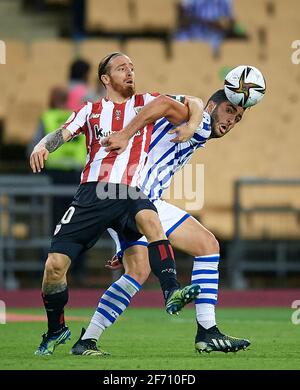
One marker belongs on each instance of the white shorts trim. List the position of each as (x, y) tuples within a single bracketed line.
[(170, 216)]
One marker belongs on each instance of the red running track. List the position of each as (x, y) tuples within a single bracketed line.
[(150, 298)]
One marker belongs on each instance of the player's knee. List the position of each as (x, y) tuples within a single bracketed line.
[(213, 244), (139, 270), (208, 245), (55, 267), (139, 275), (155, 230), (150, 225)]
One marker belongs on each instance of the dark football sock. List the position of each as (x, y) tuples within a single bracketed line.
[(54, 305), (162, 263)]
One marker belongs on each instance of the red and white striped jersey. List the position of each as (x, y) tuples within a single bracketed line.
[(98, 120)]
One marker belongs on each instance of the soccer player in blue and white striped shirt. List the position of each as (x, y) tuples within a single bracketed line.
[(184, 232)]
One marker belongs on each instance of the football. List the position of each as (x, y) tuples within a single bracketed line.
[(244, 86)]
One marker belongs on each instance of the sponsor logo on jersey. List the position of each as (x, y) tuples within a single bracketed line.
[(100, 132), (94, 116)]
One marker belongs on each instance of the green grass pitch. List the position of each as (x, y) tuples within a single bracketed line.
[(149, 339)]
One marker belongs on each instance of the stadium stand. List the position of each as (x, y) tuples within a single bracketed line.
[(21, 121), (188, 70), (52, 52), (109, 16), (128, 16), (58, 2), (16, 53), (150, 58), (93, 49), (155, 15)]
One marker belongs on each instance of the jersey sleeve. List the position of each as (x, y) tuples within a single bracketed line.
[(203, 132), (77, 122), (185, 150), (178, 98), (162, 123), (149, 97)]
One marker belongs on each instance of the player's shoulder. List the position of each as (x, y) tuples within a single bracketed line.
[(178, 98), (96, 105), (84, 107), (141, 99), (94, 108), (204, 130), (154, 94), (151, 94), (206, 119)]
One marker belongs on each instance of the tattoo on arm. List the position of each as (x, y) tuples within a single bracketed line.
[(54, 140), (53, 288)]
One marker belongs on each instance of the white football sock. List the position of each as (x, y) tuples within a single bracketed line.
[(111, 305), (206, 274)]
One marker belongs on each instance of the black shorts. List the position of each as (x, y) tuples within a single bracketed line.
[(89, 216)]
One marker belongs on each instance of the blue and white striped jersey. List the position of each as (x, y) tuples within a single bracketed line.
[(165, 158)]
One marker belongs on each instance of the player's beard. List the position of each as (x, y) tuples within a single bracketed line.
[(125, 91)]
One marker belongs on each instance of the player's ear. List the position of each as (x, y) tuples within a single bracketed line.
[(105, 79)]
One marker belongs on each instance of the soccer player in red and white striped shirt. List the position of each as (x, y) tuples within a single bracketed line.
[(107, 173)]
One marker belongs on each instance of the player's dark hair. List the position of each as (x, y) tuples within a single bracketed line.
[(79, 70), (104, 67), (218, 97)]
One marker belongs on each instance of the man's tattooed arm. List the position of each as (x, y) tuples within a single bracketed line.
[(54, 140), (47, 145)]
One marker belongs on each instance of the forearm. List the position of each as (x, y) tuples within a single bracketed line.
[(193, 121), (196, 107), (160, 107), (54, 140)]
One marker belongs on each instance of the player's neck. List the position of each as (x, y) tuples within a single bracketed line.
[(116, 97)]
